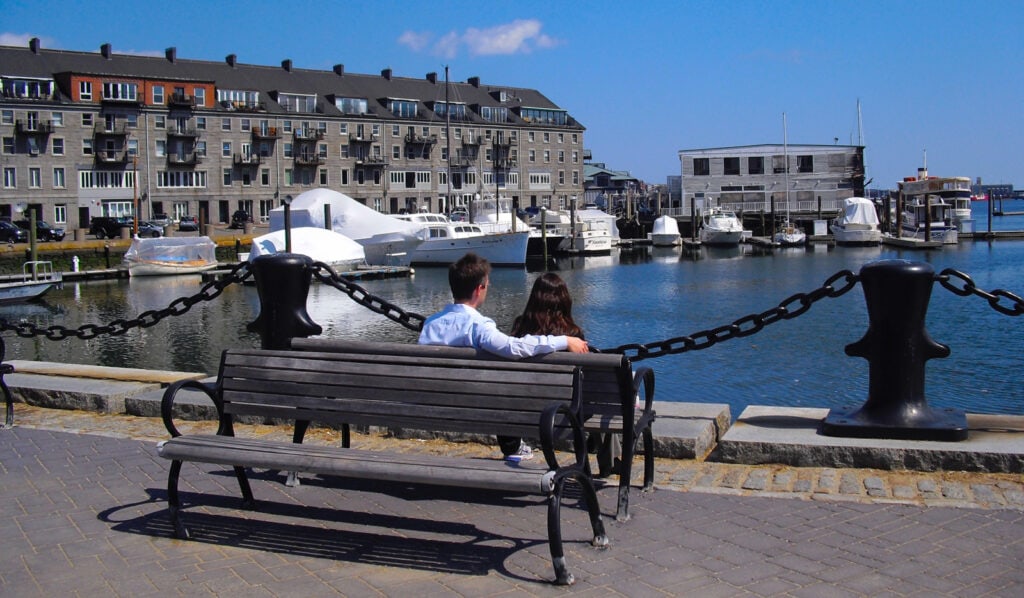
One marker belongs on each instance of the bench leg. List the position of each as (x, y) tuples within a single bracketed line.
[(600, 540), (9, 418), (300, 433), (174, 503), (248, 502), (648, 459)]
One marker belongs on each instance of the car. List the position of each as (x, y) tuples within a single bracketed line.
[(188, 223), (12, 234), (239, 219), (44, 232), (160, 219), (109, 226), (150, 229)]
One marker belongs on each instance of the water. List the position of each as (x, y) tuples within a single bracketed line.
[(644, 295)]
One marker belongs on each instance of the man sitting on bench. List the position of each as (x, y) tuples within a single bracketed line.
[(459, 324)]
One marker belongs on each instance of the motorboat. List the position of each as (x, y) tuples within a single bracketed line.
[(954, 192), (37, 278), (589, 237), (789, 235), (858, 224), (445, 242), (927, 217), (321, 245), (386, 240), (548, 232), (162, 256), (665, 232), (720, 227)]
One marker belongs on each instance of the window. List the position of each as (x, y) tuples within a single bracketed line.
[(227, 177), (292, 102), (396, 151), (343, 152), (201, 123), (561, 177), (87, 147), (58, 178), (158, 94), (561, 138), (85, 91), (530, 137), (200, 93), (575, 177), (731, 166), (201, 149), (246, 125), (159, 122), (10, 177), (132, 120), (532, 156), (575, 157), (322, 151), (7, 117), (161, 148), (288, 178), (265, 177), (58, 119), (344, 176), (185, 178), (8, 145), (755, 165), (225, 124), (87, 120), (35, 178), (351, 106), (403, 108), (805, 163), (547, 137), (323, 177), (287, 150), (561, 157), (321, 127), (547, 156), (120, 91), (225, 149), (396, 130), (287, 126), (60, 214), (133, 147), (343, 128), (701, 166)]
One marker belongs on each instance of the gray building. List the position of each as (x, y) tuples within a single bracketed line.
[(98, 133), (756, 177)]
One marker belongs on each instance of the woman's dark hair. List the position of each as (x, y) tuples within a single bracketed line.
[(548, 310)]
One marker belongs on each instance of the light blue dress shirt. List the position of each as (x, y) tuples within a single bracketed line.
[(459, 325)]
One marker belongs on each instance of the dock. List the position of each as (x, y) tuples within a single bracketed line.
[(910, 243)]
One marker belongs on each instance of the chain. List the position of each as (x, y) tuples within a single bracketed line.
[(946, 277), (328, 276), (210, 291), (790, 308)]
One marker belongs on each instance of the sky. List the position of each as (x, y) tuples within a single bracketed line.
[(937, 81)]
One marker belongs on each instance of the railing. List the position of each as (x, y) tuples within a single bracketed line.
[(111, 156), (372, 161), (247, 159), (269, 133), (356, 138), (308, 135), (39, 127), (112, 130), (189, 159), (308, 160), (182, 100), (829, 207), (174, 131)]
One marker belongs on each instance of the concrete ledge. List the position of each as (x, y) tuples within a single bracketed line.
[(789, 436), (688, 430), (61, 392), (76, 370)]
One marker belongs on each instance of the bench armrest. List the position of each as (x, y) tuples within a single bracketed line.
[(644, 376), (547, 434), (210, 390)]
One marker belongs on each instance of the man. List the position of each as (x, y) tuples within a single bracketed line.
[(459, 324)]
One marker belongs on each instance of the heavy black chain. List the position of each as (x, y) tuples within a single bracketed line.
[(210, 291), (947, 276), (328, 276), (790, 308)]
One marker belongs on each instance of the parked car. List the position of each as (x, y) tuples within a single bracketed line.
[(160, 219), (239, 219), (44, 232), (12, 234), (108, 226), (150, 229), (188, 223)]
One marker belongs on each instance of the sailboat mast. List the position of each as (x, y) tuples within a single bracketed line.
[(785, 158), (448, 139)]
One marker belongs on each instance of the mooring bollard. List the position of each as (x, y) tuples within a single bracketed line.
[(896, 346), (282, 281)]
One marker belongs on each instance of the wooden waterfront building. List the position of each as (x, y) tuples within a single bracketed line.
[(87, 134)]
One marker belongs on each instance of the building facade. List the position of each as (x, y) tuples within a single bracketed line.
[(760, 177), (95, 134)]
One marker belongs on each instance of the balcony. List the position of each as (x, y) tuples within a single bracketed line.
[(35, 127), (189, 159), (308, 135), (247, 159), (270, 133), (371, 161), (244, 106), (505, 163), (502, 143), (471, 140), (461, 162), (181, 100), (308, 160), (187, 132), (420, 139), (111, 130), (357, 138), (137, 102), (111, 157)]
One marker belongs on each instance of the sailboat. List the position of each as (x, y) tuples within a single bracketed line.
[(788, 235)]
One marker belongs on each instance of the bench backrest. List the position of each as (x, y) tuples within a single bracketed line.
[(376, 388), (607, 378)]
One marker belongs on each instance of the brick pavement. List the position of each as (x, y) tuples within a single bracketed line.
[(83, 515)]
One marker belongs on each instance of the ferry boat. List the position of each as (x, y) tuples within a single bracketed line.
[(954, 192)]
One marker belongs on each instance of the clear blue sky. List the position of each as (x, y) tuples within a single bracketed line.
[(646, 79)]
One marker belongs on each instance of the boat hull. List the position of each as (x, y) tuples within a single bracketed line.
[(720, 238), (666, 239), (20, 292), (536, 244), (503, 249), (167, 268), (856, 236)]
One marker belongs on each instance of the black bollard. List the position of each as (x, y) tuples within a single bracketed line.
[(896, 346), (282, 281)]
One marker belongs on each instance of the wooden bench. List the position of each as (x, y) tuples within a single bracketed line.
[(377, 389), (610, 395)]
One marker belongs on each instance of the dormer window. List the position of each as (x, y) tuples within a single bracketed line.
[(458, 110), (403, 108), (296, 102), (127, 92), (352, 105)]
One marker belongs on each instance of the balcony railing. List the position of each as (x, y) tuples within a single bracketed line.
[(505, 163), (268, 133), (181, 100), (471, 140), (502, 143), (461, 162), (122, 101), (308, 160), (111, 156), (247, 159), (357, 138), (173, 131), (372, 161), (420, 139), (189, 159), (114, 130), (308, 135), (38, 127)]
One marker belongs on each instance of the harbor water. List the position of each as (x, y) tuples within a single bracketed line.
[(640, 295)]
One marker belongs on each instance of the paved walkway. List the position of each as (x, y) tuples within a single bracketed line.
[(84, 515)]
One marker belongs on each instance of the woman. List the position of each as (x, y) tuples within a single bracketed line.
[(549, 311)]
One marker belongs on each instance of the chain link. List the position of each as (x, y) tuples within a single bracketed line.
[(210, 291), (328, 276), (946, 279)]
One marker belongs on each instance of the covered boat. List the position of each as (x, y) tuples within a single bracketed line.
[(321, 245), (386, 241), (858, 224), (170, 255), (665, 232)]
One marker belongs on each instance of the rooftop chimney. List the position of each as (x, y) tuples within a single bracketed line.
[(432, 77), (231, 60), (33, 44), (171, 54), (105, 51), (474, 81), (386, 73), (339, 70), (286, 64)]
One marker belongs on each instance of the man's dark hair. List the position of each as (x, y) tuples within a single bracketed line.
[(465, 275)]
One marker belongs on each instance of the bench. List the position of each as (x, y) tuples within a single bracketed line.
[(610, 391), (374, 389)]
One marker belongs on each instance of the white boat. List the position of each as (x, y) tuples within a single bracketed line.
[(665, 232), (37, 278), (858, 224), (162, 256), (720, 227), (386, 240), (955, 192), (787, 234), (548, 231), (445, 242), (321, 245), (589, 237), (927, 217)]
